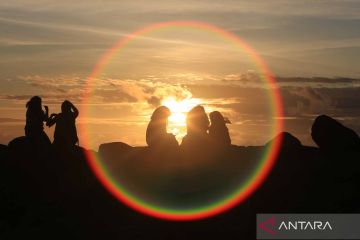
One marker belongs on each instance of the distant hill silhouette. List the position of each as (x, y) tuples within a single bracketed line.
[(54, 192)]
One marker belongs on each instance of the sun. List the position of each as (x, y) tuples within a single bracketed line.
[(179, 109)]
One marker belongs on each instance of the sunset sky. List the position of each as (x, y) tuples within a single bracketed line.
[(49, 48)]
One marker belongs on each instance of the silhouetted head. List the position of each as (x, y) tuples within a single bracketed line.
[(159, 119), (34, 103), (217, 118), (197, 120), (161, 113), (66, 107)]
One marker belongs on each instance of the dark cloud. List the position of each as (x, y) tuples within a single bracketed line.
[(254, 78), (115, 96), (154, 101), (227, 91), (316, 80), (301, 103), (332, 101)]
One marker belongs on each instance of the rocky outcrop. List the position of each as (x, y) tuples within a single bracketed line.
[(45, 189), (3, 152), (331, 136)]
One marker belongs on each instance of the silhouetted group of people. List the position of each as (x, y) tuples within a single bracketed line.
[(65, 134), (200, 131)]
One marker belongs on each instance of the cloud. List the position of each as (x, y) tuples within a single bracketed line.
[(331, 8), (99, 90), (300, 94), (123, 101), (320, 81), (15, 97), (302, 104), (317, 80), (138, 91), (11, 120), (154, 101), (253, 78)]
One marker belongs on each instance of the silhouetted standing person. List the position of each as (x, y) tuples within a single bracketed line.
[(218, 132), (65, 134), (35, 118), (156, 132), (197, 123)]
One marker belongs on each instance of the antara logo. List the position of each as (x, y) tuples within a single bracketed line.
[(305, 225)]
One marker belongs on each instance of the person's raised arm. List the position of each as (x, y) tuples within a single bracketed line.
[(75, 110), (51, 120), (46, 114)]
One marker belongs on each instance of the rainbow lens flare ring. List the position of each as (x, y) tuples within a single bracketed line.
[(246, 189)]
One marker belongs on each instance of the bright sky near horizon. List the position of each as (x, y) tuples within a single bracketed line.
[(48, 48)]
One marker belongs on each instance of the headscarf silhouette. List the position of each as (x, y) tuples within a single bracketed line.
[(197, 123), (65, 134), (35, 118), (218, 132), (156, 132)]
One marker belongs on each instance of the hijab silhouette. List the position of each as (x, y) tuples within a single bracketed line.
[(218, 132), (35, 118), (197, 123), (156, 132), (65, 134)]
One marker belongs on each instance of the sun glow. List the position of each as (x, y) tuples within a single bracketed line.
[(179, 109), (167, 207)]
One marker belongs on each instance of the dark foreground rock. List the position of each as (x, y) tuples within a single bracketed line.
[(331, 136), (55, 194), (3, 152)]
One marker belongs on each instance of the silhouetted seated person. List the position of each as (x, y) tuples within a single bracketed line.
[(35, 118), (65, 134), (156, 132), (197, 123), (218, 132)]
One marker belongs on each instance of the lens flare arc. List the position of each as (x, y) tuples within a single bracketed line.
[(251, 184)]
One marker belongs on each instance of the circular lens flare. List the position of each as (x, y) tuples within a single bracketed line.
[(179, 109)]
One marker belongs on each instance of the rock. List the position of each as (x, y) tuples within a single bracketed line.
[(18, 142), (58, 192), (3, 151), (20, 147), (332, 136), (288, 141), (114, 148)]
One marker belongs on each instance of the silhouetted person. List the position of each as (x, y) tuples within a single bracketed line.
[(197, 123), (218, 132), (156, 132), (65, 134), (35, 118)]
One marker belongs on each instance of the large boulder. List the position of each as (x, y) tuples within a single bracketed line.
[(285, 183), (332, 136), (3, 151), (340, 148)]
